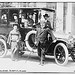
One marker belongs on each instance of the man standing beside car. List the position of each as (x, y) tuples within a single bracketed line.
[(42, 33)]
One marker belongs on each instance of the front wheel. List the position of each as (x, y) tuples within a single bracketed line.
[(61, 54)]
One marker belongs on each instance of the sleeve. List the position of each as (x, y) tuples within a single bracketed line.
[(32, 21), (50, 26), (48, 30)]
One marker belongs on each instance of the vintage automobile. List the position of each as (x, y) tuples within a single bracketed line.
[(7, 20), (61, 49)]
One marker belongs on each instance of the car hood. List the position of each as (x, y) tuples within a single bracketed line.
[(61, 35)]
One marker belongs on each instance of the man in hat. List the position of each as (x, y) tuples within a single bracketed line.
[(30, 20), (13, 38), (42, 33), (47, 23), (43, 28)]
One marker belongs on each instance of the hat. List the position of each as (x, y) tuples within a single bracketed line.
[(46, 15), (14, 14), (15, 25)]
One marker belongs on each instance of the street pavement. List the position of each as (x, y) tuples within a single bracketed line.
[(29, 62)]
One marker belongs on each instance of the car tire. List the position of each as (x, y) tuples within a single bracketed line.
[(3, 44), (73, 58), (27, 41), (61, 54)]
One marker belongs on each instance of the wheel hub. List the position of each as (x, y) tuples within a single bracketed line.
[(60, 54)]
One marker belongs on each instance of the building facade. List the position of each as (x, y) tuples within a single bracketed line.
[(64, 13)]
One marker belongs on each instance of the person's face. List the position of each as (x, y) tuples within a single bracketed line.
[(30, 16), (15, 27), (45, 18), (15, 17)]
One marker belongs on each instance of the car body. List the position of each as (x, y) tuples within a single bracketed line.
[(61, 49)]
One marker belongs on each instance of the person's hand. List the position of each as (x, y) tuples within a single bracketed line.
[(17, 41), (35, 42)]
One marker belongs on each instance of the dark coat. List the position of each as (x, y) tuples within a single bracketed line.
[(42, 33)]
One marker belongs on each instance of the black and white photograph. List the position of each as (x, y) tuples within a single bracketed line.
[(37, 37)]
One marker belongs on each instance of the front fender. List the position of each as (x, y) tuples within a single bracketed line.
[(62, 40)]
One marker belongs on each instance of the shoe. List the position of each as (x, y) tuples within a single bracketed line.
[(42, 63), (15, 60)]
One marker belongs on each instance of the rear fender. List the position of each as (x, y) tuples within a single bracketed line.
[(3, 37)]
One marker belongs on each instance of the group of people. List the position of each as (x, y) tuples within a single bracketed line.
[(43, 29), (24, 22)]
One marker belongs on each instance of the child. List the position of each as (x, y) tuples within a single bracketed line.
[(13, 38)]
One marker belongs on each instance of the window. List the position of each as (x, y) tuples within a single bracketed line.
[(28, 17)]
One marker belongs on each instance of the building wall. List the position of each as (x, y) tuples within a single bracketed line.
[(70, 18), (59, 17), (73, 19)]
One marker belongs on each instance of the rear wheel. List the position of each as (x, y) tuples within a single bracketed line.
[(73, 55), (73, 58), (61, 54), (30, 41), (3, 48)]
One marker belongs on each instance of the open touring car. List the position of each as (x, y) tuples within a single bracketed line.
[(61, 49)]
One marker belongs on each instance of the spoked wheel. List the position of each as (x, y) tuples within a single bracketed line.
[(73, 55), (3, 48), (61, 54), (30, 41)]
